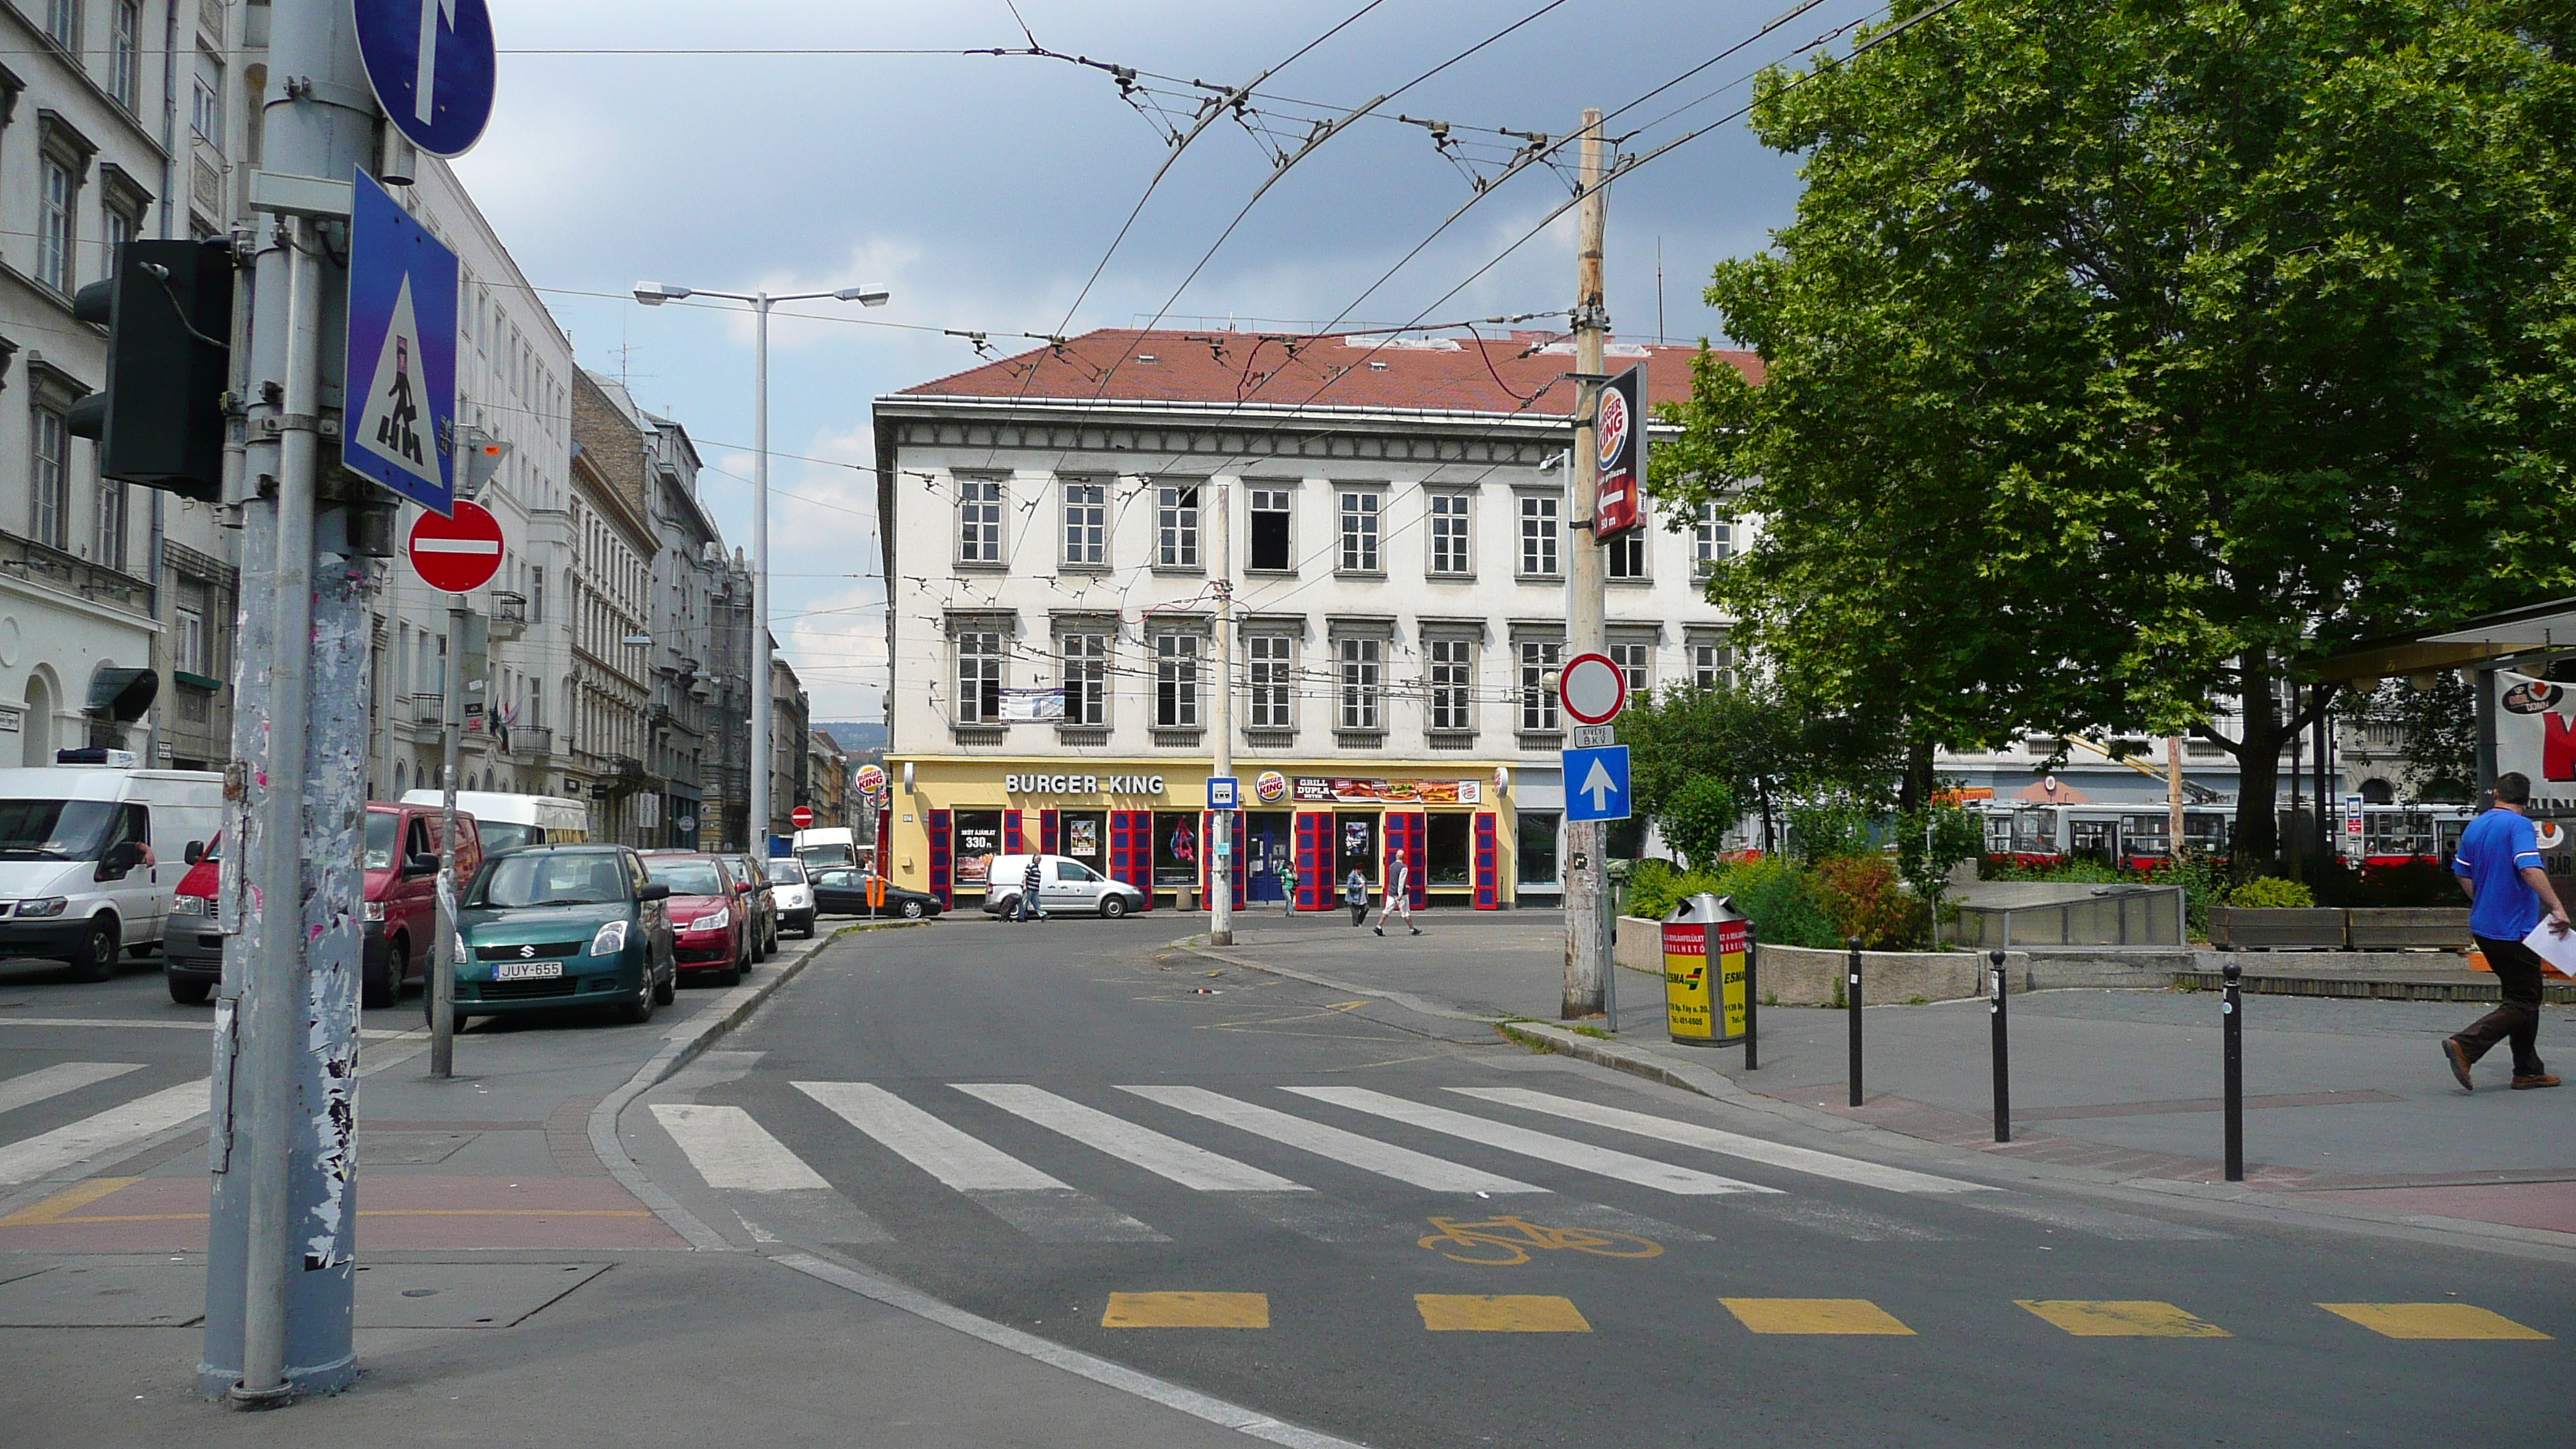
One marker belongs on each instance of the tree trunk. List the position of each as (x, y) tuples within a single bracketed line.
[(2258, 772), (1770, 836), (1914, 792)]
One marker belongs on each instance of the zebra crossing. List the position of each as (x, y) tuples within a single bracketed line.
[(97, 1137)]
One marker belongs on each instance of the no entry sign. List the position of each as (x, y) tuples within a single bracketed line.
[(460, 554), (803, 815)]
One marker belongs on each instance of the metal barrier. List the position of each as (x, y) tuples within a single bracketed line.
[(2111, 915)]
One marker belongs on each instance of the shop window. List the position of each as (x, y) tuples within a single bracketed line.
[(1176, 848), (1082, 833), (1536, 847), (1354, 848), (1450, 851), (979, 839)]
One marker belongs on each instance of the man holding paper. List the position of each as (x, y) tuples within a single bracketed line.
[(2499, 867)]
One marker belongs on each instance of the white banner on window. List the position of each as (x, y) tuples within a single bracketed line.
[(1032, 706)]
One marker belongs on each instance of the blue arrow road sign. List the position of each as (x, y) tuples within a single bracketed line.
[(431, 64), (1596, 783), (400, 402)]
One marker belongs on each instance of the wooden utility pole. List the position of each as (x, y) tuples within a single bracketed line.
[(1587, 937), (2173, 797)]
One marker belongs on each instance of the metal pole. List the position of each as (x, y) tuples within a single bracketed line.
[(762, 751), (1220, 847), (1852, 994), (442, 959), (2232, 1032), (2003, 1066), (1752, 996), (1584, 602), (2173, 799)]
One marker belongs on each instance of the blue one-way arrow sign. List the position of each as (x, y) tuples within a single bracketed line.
[(431, 63), (1596, 783)]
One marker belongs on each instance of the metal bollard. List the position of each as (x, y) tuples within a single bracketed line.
[(1752, 995), (2003, 1068), (1852, 992), (2231, 1032)]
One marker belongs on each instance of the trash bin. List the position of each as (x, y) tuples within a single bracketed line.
[(1705, 1006)]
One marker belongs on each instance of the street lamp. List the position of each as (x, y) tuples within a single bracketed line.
[(654, 294)]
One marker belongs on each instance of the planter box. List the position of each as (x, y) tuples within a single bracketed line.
[(2435, 928), (2238, 928)]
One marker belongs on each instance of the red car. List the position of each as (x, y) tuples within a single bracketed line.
[(711, 921)]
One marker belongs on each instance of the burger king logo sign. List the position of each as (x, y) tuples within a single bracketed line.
[(1270, 788)]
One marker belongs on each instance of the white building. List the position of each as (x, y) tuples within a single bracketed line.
[(608, 602), (1398, 524)]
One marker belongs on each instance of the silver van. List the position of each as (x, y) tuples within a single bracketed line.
[(1066, 887)]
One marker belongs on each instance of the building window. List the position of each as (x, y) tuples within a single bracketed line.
[(56, 189), (1359, 532), (1637, 661), (1453, 684), (1540, 530), (188, 643), (108, 512), (1362, 665), (1539, 659), (1712, 663), (62, 22), (125, 24), (51, 470), (979, 677), (1086, 525), (206, 112), (1625, 556), (120, 230), (1176, 681), (1712, 538), (1449, 554), (1272, 680), (537, 594), (1272, 509), (1176, 523), (1086, 679), (979, 520)]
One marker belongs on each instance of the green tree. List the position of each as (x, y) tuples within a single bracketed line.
[(1697, 818), (1750, 737), (2120, 354), (2436, 728)]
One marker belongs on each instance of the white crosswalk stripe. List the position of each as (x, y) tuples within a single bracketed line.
[(1010, 1189), (730, 1150), (102, 1134), (1732, 1144), (1385, 1159), (1565, 1152), (1191, 1167), (61, 1077)]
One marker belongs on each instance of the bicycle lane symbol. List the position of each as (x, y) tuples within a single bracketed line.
[(1504, 1241)]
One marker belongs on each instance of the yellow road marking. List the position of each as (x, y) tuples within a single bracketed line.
[(1187, 1310), (1814, 1315), (2135, 1318), (78, 1195), (2431, 1320), (1506, 1240), (1499, 1313), (1348, 1005)]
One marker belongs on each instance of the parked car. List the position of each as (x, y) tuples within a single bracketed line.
[(91, 854), (1066, 887), (843, 891), (402, 893), (712, 925), (551, 926), (754, 871), (793, 894)]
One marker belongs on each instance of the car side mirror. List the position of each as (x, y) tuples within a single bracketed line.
[(195, 852), (742, 888), (423, 864), (657, 891)]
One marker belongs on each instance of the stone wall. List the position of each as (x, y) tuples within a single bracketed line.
[(1799, 976)]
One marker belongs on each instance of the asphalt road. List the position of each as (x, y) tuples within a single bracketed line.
[(1666, 1296)]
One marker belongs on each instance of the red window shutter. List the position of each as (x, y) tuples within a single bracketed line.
[(940, 846), (1315, 884), (1049, 824), (1011, 832), (1489, 872)]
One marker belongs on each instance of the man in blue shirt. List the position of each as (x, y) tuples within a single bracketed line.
[(2499, 866)]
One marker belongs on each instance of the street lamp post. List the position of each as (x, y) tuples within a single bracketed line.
[(654, 294)]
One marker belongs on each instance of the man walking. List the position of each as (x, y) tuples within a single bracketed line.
[(2499, 867), (1032, 907), (1399, 895), (1355, 895)]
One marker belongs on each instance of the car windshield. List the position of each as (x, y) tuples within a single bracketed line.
[(549, 878), (381, 830), (786, 872), (500, 835), (53, 829), (687, 877)]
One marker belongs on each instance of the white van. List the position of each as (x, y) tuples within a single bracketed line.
[(825, 846), (90, 855), (510, 821)]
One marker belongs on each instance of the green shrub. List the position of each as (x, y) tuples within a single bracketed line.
[(1655, 885), (1697, 818), (1862, 897), (1828, 827), (2271, 893), (1780, 897)]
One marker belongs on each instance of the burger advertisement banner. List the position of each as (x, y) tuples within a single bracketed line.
[(1344, 790), (1619, 442), (2536, 735)]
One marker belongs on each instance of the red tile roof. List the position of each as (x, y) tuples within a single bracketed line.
[(1524, 372)]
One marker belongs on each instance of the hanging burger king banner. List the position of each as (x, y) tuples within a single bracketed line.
[(1270, 788), (1619, 442), (1344, 790)]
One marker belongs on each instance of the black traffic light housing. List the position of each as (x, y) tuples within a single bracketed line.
[(159, 421)]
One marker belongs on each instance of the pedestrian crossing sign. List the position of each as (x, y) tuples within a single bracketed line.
[(400, 410)]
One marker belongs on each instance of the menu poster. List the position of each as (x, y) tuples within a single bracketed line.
[(1347, 790), (1082, 838)]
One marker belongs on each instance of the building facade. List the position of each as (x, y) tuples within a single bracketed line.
[(791, 747), (1398, 536), (609, 600), (827, 780)]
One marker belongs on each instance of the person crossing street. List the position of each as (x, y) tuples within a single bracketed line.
[(2499, 867)]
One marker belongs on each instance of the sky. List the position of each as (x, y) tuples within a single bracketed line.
[(986, 190)]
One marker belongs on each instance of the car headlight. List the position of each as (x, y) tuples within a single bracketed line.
[(715, 922), (43, 906), (193, 906), (375, 910), (610, 940), (456, 951)]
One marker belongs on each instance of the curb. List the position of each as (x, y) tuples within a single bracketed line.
[(682, 1046)]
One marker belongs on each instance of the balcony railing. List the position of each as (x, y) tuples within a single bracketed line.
[(532, 741), (509, 615)]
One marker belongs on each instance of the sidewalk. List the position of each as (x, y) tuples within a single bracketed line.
[(2349, 1107)]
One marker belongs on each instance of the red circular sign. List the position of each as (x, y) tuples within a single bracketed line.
[(457, 555), (803, 815), (1593, 688)]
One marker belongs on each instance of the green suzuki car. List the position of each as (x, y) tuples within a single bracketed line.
[(552, 926)]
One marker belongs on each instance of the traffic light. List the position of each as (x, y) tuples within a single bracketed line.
[(159, 421)]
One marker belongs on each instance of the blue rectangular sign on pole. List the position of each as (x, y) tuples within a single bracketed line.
[(1596, 783), (398, 423), (1225, 792)]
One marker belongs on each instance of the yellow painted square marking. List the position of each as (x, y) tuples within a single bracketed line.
[(2431, 1320), (79, 1195), (1814, 1315), (1187, 1310), (2087, 1318), (1499, 1313)]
